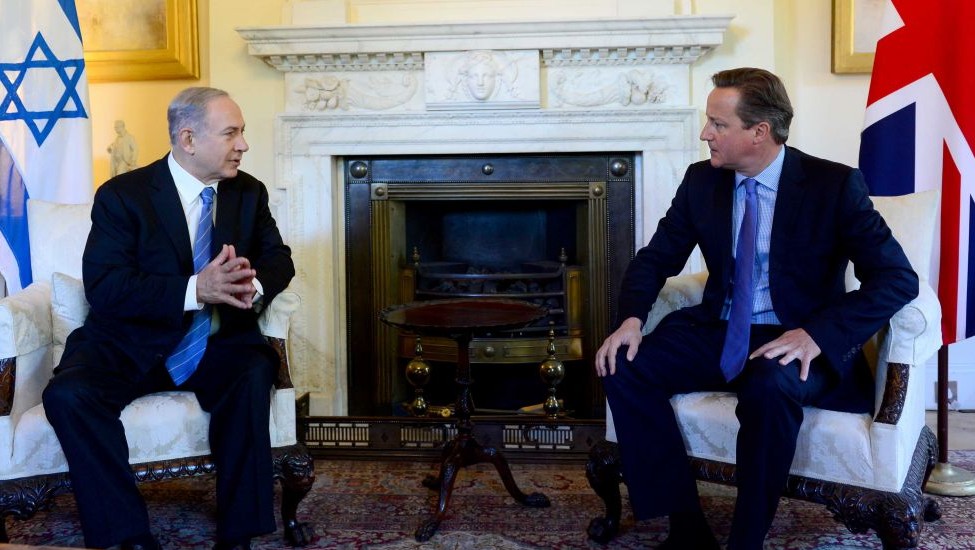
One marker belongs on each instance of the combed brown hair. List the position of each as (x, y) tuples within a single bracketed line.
[(763, 98)]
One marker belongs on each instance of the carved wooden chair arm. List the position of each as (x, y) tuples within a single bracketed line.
[(915, 331), (25, 328), (911, 338), (25, 320), (274, 322)]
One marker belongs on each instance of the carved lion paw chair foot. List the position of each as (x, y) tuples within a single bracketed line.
[(34, 324), (868, 471)]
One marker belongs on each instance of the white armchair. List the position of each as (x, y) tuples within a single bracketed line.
[(34, 324), (868, 471)]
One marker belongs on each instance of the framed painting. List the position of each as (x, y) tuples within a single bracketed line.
[(128, 40), (856, 27)]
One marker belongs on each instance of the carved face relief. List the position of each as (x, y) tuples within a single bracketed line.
[(480, 73), (481, 80)]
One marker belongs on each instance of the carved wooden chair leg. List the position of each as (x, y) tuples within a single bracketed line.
[(20, 499), (295, 468), (899, 519), (932, 508), (603, 473), (901, 522)]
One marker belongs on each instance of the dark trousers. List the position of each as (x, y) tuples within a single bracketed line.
[(83, 402), (681, 356)]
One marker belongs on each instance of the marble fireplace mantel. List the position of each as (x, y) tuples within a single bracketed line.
[(524, 87)]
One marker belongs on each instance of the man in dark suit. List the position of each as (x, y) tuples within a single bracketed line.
[(801, 332), (146, 296)]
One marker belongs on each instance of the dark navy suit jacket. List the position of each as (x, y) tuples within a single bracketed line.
[(823, 220), (138, 260)]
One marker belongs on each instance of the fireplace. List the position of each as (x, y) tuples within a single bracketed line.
[(595, 88), (556, 229)]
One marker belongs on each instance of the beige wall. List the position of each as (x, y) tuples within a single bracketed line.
[(142, 105), (789, 37)]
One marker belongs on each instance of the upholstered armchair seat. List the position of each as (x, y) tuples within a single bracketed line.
[(868, 470), (167, 432)]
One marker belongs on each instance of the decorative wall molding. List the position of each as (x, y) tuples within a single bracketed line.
[(678, 39)]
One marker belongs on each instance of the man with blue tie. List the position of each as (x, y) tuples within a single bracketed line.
[(777, 229), (181, 256)]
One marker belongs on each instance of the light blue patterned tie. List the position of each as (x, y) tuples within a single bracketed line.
[(743, 289), (186, 357)]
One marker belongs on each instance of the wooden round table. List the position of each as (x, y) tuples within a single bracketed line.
[(461, 319)]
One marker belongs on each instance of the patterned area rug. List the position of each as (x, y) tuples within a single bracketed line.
[(379, 505)]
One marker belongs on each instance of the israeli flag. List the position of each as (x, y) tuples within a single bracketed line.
[(45, 127)]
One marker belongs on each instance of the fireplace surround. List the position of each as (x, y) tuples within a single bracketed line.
[(555, 229), (602, 86)]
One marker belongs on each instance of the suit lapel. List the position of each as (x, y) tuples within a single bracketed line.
[(168, 208), (788, 199), (228, 203), (724, 196)]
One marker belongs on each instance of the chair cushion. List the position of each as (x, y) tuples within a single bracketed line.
[(832, 446), (63, 225), (68, 309), (911, 219), (160, 426)]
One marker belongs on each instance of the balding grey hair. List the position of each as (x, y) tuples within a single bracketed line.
[(189, 108)]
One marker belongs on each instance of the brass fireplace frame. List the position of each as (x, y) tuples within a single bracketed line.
[(599, 201)]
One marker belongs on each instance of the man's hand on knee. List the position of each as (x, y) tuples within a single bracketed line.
[(630, 335), (793, 344)]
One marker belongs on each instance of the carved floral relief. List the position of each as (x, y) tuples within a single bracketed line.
[(628, 88), (371, 92)]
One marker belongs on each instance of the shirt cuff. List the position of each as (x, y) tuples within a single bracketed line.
[(189, 300)]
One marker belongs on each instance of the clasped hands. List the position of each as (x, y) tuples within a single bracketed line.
[(795, 344), (227, 279)]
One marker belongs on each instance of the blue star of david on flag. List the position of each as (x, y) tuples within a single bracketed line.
[(41, 120)]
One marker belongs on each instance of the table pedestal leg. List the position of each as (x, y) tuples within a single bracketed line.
[(464, 450)]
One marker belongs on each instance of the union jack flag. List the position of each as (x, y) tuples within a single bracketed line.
[(919, 130)]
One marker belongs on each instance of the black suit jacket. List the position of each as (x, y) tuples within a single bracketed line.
[(138, 261), (823, 220)]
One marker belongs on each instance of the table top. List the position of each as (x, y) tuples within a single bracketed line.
[(462, 315)]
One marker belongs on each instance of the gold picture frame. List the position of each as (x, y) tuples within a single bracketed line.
[(847, 56), (129, 40)]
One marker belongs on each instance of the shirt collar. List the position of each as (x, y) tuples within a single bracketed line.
[(769, 177), (187, 185)]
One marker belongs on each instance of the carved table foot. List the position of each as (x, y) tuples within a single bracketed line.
[(427, 529), (298, 533), (603, 530), (536, 500)]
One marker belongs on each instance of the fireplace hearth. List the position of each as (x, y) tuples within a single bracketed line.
[(555, 229)]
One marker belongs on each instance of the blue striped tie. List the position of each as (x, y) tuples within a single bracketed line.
[(742, 290), (186, 357)]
